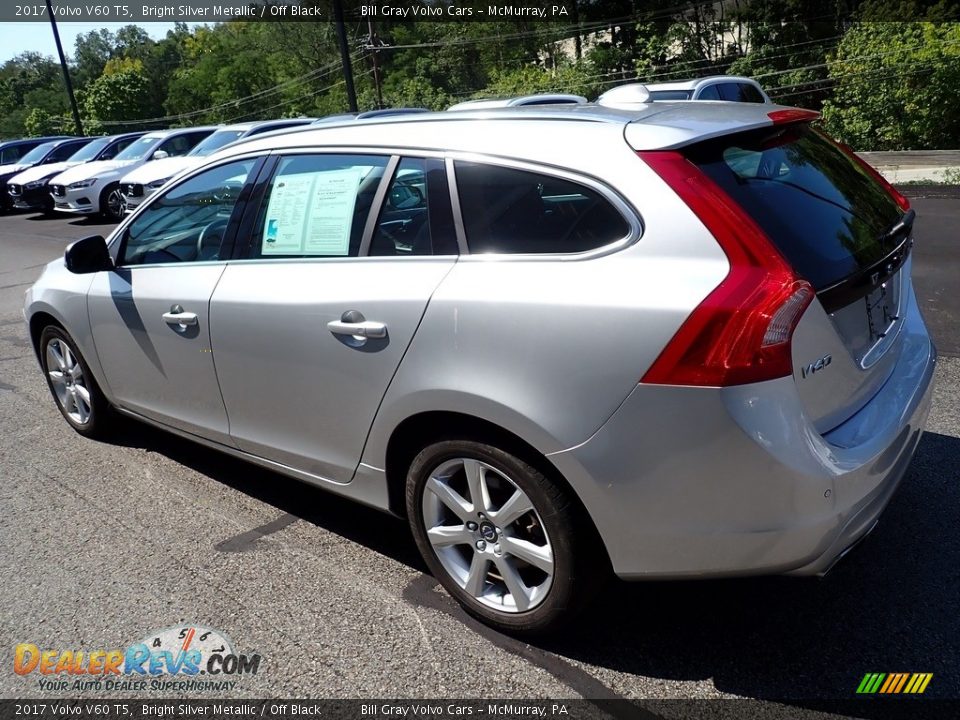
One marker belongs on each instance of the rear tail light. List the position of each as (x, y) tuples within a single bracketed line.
[(903, 202), (741, 332)]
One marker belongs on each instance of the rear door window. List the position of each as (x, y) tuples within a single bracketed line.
[(710, 92), (827, 216), (507, 210)]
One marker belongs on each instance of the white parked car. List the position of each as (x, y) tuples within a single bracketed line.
[(716, 87), (525, 100), (28, 190), (94, 188), (146, 179)]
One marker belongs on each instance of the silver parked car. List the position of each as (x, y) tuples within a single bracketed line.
[(668, 342)]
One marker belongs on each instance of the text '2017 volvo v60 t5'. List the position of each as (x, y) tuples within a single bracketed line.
[(672, 340)]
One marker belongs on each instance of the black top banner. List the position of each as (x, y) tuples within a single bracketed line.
[(534, 11)]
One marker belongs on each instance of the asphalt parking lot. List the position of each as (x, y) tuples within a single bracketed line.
[(102, 543)]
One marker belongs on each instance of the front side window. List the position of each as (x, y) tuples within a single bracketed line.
[(37, 154), (317, 206), (64, 151), (506, 210), (90, 151), (190, 222)]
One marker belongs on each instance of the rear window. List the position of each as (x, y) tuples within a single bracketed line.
[(826, 215)]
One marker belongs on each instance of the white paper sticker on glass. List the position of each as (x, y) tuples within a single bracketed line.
[(311, 213)]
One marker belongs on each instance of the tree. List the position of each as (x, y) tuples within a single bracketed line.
[(896, 86), (123, 94)]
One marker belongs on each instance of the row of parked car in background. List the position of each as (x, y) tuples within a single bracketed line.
[(112, 175)]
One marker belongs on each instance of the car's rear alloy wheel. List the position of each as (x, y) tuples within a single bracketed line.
[(73, 387), (500, 537)]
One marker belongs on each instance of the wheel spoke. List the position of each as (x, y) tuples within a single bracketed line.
[(446, 535), (83, 396), (539, 556), (479, 494), (83, 410), (68, 359), (450, 497), (53, 349), (517, 505), (477, 576), (56, 377), (514, 583)]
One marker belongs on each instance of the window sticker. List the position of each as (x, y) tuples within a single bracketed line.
[(311, 213)]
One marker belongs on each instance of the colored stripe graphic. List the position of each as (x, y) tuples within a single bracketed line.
[(894, 683)]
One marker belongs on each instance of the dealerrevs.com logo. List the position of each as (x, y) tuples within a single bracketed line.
[(197, 658)]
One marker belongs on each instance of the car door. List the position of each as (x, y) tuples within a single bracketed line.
[(150, 317), (309, 329)]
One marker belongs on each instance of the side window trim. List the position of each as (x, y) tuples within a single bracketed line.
[(229, 238), (377, 205), (455, 204), (629, 213), (251, 209)]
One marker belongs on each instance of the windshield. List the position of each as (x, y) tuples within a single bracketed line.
[(89, 151), (139, 149), (216, 141), (37, 154)]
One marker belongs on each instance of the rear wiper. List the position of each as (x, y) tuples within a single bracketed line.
[(903, 224)]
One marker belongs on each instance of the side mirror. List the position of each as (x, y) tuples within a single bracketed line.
[(160, 155), (88, 255)]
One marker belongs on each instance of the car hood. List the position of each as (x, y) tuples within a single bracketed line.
[(38, 172), (160, 169), (110, 169), (13, 168)]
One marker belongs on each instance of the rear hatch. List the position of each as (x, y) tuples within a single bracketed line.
[(843, 229)]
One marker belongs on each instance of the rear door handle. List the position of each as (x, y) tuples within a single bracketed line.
[(366, 329)]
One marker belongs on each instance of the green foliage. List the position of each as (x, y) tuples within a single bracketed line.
[(896, 86), (121, 95)]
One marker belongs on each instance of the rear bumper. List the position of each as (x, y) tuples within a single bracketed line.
[(695, 482)]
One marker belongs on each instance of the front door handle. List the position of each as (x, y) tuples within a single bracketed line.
[(177, 316), (365, 329)]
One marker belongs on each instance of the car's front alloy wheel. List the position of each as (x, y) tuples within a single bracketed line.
[(72, 385), (502, 539)]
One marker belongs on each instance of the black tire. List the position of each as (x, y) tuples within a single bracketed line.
[(105, 211), (99, 424), (579, 565)]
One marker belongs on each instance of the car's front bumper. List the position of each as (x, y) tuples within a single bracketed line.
[(82, 201), (32, 198), (695, 482)]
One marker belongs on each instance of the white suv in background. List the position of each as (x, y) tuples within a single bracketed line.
[(94, 188), (716, 87), (146, 179)]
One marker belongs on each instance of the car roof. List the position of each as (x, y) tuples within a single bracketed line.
[(507, 131), (522, 100), (254, 124), (697, 82), (160, 134), (37, 140)]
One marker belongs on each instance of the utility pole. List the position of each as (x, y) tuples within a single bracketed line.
[(66, 72), (344, 55), (374, 44)]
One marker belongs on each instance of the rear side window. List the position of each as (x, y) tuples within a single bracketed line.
[(506, 210), (826, 215), (740, 92), (670, 94)]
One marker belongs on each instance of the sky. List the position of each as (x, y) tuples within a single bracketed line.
[(22, 36)]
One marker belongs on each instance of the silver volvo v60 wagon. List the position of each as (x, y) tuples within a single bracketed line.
[(674, 341)]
